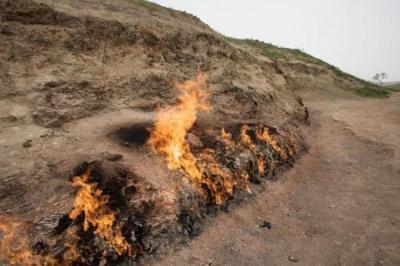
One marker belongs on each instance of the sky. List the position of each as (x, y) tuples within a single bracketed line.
[(361, 37)]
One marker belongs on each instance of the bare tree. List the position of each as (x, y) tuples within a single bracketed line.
[(379, 77), (383, 76)]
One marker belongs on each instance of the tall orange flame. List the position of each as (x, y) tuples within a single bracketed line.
[(173, 123), (168, 138)]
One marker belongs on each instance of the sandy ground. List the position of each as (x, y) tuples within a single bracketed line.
[(339, 205)]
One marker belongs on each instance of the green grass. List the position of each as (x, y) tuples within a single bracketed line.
[(373, 92), (393, 88), (274, 52), (152, 7)]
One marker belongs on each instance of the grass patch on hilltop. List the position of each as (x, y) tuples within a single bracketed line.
[(152, 7), (373, 92), (274, 52), (393, 88)]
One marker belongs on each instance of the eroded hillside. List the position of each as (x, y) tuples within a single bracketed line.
[(92, 170)]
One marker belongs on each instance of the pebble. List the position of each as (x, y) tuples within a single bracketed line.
[(27, 143), (113, 156), (266, 224), (293, 259)]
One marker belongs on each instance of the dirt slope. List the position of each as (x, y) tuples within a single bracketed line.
[(337, 206)]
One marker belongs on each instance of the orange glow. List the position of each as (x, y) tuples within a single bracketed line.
[(90, 201), (14, 247), (244, 137), (168, 138), (265, 136), (172, 124), (261, 164), (71, 255), (219, 181), (227, 138)]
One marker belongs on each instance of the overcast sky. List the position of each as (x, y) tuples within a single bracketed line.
[(361, 37)]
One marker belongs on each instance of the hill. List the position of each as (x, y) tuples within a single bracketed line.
[(124, 125)]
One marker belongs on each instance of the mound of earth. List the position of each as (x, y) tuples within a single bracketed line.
[(81, 84)]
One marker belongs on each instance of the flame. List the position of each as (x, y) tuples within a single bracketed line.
[(265, 136), (173, 123), (14, 247), (90, 201), (168, 138), (261, 164), (227, 139), (71, 255), (245, 138), (218, 180)]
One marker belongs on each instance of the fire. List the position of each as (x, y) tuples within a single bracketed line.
[(219, 181), (14, 246), (244, 137), (173, 123), (71, 255), (90, 201), (261, 164), (265, 136), (168, 138)]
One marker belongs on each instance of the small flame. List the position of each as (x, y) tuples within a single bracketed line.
[(245, 138), (14, 247), (261, 164), (221, 183), (265, 136), (71, 255), (227, 138), (90, 201)]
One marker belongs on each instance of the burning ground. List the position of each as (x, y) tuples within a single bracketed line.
[(124, 126), (112, 220)]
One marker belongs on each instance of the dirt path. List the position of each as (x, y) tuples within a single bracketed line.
[(339, 205)]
